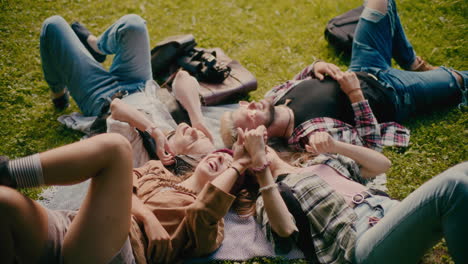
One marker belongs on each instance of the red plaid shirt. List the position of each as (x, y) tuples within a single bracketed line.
[(367, 132)]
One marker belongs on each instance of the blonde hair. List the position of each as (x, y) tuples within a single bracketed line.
[(228, 130)]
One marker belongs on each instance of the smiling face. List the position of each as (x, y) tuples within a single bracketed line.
[(213, 165), (250, 115), (188, 140)]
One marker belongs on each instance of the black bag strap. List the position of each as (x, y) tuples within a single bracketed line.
[(149, 144), (304, 242)]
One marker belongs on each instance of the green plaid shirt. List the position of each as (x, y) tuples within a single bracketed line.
[(331, 219)]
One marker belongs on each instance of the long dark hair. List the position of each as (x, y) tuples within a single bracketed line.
[(244, 204)]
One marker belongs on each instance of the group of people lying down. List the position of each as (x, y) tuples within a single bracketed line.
[(170, 209)]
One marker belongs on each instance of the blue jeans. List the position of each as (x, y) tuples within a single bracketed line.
[(68, 64), (379, 38), (439, 208)]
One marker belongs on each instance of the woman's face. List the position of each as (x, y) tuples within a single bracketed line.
[(188, 140), (213, 165)]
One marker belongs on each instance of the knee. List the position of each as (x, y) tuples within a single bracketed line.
[(456, 180), (116, 149), (133, 23), (8, 200), (379, 5), (52, 24), (115, 145)]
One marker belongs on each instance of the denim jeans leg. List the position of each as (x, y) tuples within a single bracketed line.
[(372, 39), (67, 64), (128, 39), (422, 92), (378, 38), (402, 50), (437, 209)]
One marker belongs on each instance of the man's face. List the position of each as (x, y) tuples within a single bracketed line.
[(250, 115), (188, 140)]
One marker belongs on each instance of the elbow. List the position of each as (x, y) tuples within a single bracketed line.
[(387, 164), (115, 107), (286, 231), (383, 167), (115, 104)]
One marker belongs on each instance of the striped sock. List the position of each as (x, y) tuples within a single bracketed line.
[(27, 171)]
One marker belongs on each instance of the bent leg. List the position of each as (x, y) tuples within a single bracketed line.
[(437, 209), (67, 64), (128, 39), (23, 228), (380, 36), (101, 226), (402, 50)]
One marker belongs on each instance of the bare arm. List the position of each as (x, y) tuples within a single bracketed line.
[(277, 211), (372, 162), (186, 92)]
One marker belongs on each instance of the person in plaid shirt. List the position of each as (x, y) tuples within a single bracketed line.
[(339, 220), (313, 101), (298, 123)]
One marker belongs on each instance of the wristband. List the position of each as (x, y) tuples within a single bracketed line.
[(262, 168), (268, 187)]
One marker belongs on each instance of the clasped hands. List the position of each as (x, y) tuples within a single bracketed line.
[(250, 149)]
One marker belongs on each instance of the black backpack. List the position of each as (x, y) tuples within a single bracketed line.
[(340, 30)]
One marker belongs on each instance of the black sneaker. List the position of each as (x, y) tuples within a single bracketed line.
[(62, 102), (83, 33), (5, 178)]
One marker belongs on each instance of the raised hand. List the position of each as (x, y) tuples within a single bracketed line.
[(320, 142), (163, 150), (159, 241), (348, 82), (322, 68), (254, 143), (240, 153)]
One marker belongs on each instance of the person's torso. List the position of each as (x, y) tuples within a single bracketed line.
[(342, 185), (314, 98)]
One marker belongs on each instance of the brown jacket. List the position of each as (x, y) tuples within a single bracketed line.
[(194, 222)]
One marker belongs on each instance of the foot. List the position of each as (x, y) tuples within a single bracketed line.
[(62, 102), (83, 33), (421, 65), (5, 178)]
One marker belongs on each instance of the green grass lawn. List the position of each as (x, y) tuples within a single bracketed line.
[(273, 39)]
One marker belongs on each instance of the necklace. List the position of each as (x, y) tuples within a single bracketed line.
[(289, 121)]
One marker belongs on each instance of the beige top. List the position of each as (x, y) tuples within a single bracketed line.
[(194, 222)]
